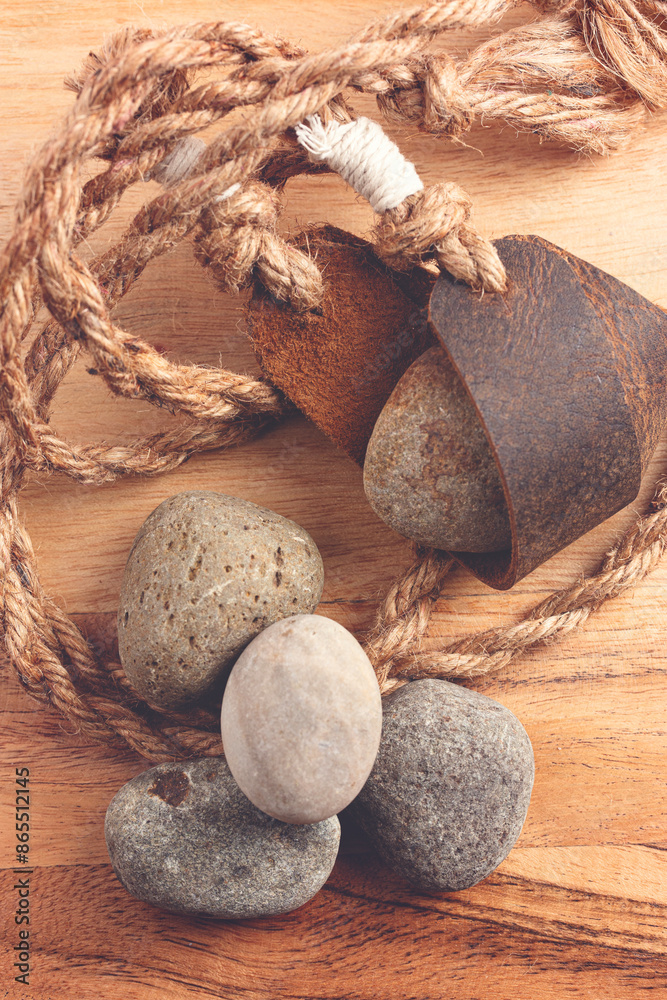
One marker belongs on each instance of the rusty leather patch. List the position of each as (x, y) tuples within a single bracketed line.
[(340, 366), (567, 373)]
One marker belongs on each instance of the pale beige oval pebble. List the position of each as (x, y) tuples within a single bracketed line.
[(301, 719)]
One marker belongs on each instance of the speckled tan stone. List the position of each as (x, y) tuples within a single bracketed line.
[(301, 719), (207, 572), (429, 471)]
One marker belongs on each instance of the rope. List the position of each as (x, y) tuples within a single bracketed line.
[(582, 72)]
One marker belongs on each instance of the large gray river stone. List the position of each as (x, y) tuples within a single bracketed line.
[(184, 837), (450, 788)]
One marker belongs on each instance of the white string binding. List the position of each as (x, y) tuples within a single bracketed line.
[(364, 156), (181, 161)]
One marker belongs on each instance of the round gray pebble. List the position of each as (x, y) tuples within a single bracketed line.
[(184, 837), (449, 792), (301, 719), (207, 572), (429, 471)]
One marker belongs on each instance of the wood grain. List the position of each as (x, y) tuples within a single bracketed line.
[(579, 908)]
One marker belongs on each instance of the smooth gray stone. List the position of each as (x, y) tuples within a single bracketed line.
[(429, 471), (449, 792), (184, 837), (301, 719), (207, 572)]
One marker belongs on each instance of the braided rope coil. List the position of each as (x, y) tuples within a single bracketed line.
[(582, 72)]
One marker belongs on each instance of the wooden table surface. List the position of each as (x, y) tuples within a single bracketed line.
[(579, 908)]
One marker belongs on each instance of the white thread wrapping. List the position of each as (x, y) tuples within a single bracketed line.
[(364, 156), (180, 162), (227, 193)]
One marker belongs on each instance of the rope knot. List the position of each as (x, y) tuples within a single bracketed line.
[(253, 205), (446, 109), (238, 242), (433, 225), (432, 95), (411, 233)]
